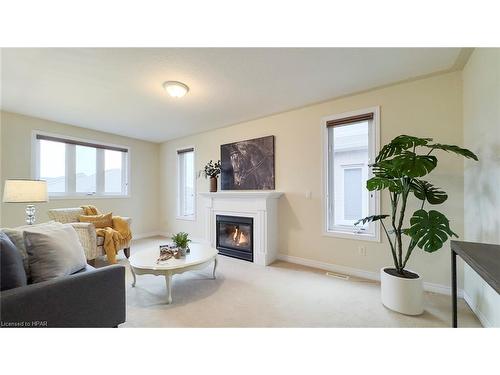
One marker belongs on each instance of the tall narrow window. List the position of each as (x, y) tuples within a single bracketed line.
[(186, 188), (75, 168), (350, 148)]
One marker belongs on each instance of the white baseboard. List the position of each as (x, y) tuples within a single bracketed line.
[(364, 274), (442, 289), (148, 234), (482, 319), (331, 267)]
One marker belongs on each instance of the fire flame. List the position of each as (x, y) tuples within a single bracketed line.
[(239, 238)]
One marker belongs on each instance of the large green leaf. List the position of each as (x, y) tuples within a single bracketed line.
[(386, 169), (400, 144), (369, 219), (413, 165), (429, 229), (380, 183), (424, 190), (455, 149)]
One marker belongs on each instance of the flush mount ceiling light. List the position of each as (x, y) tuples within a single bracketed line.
[(175, 89)]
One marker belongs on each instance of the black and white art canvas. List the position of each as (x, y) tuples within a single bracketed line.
[(248, 165)]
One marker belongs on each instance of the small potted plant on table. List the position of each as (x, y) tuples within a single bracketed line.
[(181, 241), (399, 169), (212, 171)]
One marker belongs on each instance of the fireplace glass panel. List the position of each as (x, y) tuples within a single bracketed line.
[(235, 236)]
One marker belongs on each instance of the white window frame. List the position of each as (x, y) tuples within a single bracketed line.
[(70, 192), (350, 232), (180, 216)]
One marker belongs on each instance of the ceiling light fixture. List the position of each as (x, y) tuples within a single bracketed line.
[(175, 89)]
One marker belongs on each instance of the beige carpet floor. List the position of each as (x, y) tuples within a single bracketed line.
[(280, 295)]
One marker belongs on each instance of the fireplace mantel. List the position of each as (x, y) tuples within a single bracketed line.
[(244, 194), (262, 206)]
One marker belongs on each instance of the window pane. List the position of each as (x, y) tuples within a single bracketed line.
[(53, 165), (348, 169), (189, 184), (113, 170), (186, 184), (85, 169), (352, 194)]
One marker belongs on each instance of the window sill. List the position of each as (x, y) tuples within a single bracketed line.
[(187, 218), (352, 236), (77, 197)]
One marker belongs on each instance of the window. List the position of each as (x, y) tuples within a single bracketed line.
[(186, 189), (76, 168), (350, 146)]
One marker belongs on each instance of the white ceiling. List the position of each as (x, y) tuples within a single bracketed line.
[(120, 90)]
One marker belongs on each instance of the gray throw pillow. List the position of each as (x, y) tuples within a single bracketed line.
[(12, 273), (17, 238), (53, 251)]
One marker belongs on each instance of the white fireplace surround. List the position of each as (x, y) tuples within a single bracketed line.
[(262, 206)]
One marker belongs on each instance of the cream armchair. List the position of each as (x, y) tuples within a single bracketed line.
[(92, 244)]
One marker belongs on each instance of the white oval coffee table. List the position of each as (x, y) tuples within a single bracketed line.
[(199, 257)]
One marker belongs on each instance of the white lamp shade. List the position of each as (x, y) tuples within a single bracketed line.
[(25, 191)]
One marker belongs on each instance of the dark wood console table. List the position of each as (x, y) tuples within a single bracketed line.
[(482, 258)]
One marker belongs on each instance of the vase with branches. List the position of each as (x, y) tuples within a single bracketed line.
[(399, 169), (212, 170)]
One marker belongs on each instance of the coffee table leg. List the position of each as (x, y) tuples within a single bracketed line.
[(133, 274), (215, 267), (168, 280)]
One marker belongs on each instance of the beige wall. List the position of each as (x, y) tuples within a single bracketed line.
[(1, 188), (481, 106), (16, 162), (427, 107)]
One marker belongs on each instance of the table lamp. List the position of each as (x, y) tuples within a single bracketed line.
[(26, 191)]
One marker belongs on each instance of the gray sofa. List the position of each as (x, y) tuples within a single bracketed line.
[(89, 298)]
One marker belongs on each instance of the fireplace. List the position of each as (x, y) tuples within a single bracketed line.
[(259, 209), (234, 236)]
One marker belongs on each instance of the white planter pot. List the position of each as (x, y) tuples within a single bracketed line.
[(405, 296)]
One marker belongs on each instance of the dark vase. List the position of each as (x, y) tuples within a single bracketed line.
[(213, 184)]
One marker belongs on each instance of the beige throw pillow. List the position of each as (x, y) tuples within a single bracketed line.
[(53, 252), (99, 221)]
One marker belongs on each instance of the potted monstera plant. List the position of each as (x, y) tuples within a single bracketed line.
[(400, 168)]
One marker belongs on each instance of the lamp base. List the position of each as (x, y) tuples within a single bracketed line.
[(30, 214)]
